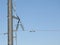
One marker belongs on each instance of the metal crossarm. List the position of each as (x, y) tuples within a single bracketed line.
[(22, 26), (16, 17), (17, 25)]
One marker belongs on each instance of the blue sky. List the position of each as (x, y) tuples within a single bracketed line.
[(35, 15)]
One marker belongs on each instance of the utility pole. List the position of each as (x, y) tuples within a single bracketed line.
[(10, 23)]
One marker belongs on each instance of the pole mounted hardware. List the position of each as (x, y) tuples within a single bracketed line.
[(18, 23)]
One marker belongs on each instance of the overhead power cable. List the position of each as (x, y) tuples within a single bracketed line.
[(42, 30)]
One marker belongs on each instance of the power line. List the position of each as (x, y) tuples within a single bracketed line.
[(41, 30), (32, 31)]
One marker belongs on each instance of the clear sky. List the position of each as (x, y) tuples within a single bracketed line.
[(35, 15)]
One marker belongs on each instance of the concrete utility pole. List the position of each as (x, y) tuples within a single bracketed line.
[(10, 23)]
